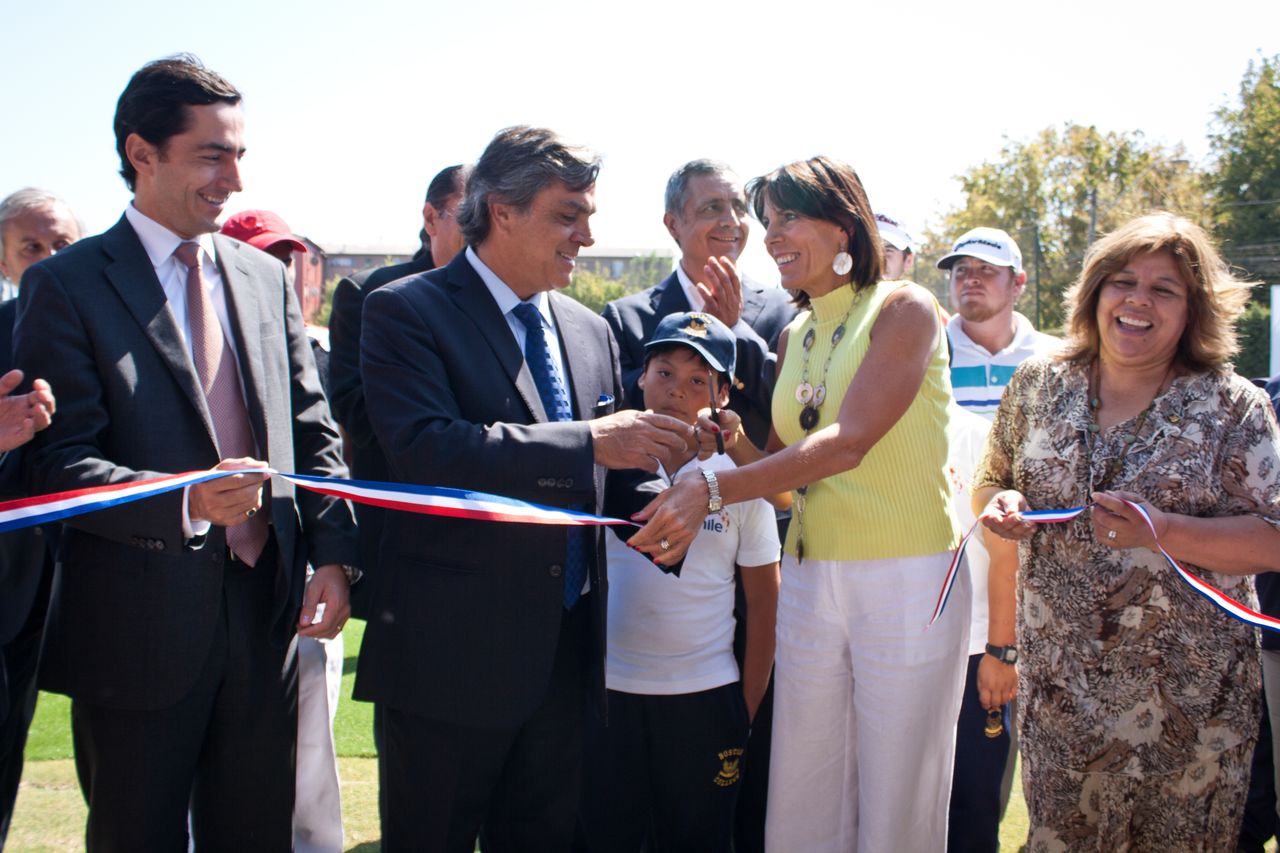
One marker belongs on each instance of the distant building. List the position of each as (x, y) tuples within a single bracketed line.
[(344, 261)]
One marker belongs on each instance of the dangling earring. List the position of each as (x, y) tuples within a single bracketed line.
[(842, 263)]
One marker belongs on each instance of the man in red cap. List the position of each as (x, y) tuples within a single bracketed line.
[(317, 812), (265, 230)]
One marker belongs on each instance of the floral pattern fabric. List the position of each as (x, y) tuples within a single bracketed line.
[(1124, 670)]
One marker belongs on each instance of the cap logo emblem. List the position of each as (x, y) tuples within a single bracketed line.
[(697, 326)]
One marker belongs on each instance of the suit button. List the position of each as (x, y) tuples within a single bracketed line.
[(555, 570), (159, 544), (566, 483), (217, 556)]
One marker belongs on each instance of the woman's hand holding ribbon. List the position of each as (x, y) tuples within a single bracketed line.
[(1003, 516), (672, 519), (1116, 524)]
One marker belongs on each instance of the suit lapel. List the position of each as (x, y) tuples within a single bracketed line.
[(473, 298), (245, 313), (668, 298), (134, 279), (581, 359), (752, 303)]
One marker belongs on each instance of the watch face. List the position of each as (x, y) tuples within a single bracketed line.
[(1004, 654)]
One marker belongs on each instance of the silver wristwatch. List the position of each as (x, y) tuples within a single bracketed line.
[(713, 488)]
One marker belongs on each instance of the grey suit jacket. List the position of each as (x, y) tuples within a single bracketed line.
[(467, 613), (134, 605)]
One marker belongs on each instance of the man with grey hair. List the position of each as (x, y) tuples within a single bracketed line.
[(33, 225), (706, 214), (485, 642)]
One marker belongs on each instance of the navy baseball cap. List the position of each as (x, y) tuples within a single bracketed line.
[(704, 333)]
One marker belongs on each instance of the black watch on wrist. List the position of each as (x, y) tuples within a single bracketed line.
[(1004, 654)]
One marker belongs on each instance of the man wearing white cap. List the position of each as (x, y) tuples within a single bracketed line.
[(899, 247), (988, 338), (988, 341)]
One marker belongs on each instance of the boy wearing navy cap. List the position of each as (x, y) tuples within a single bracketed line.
[(669, 762)]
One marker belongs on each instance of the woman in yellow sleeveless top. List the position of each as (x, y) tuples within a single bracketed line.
[(866, 699)]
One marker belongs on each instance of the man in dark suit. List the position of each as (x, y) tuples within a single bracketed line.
[(441, 241), (33, 225), (486, 640), (172, 618), (706, 214)]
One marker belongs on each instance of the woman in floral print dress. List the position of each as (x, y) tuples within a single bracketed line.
[(1139, 698)]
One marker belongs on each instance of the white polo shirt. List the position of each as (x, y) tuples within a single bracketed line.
[(978, 377), (670, 635)]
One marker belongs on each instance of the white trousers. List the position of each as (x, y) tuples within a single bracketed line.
[(317, 808), (865, 705)]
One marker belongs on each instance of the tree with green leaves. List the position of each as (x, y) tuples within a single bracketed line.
[(1055, 192), (594, 290), (1246, 140)]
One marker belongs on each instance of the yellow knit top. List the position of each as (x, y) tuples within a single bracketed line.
[(897, 502)]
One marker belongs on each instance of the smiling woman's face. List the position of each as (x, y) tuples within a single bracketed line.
[(1142, 311)]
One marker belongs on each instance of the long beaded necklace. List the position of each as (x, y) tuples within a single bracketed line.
[(1127, 441), (812, 397)]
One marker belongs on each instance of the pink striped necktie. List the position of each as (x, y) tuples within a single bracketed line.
[(219, 378)]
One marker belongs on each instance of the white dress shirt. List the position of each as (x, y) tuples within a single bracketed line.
[(160, 244)]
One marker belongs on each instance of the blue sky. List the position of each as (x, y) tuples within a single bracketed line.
[(398, 91)]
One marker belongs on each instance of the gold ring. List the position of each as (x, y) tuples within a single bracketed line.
[(664, 544)]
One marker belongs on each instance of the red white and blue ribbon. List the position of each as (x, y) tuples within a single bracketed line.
[(1216, 596), (426, 500)]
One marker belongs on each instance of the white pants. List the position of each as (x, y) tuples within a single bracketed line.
[(317, 809), (865, 705)]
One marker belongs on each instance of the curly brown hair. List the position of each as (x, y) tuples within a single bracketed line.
[(1215, 297)]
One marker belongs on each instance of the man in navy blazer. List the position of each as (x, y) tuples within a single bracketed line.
[(441, 241), (176, 648), (706, 214), (33, 225), (480, 651)]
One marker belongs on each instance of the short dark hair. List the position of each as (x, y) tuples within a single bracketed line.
[(722, 378), (517, 164), (154, 104), (678, 184), (449, 180), (827, 189)]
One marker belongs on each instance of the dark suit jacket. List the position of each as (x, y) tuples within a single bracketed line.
[(25, 555), (467, 613), (134, 606), (765, 313), (346, 395)]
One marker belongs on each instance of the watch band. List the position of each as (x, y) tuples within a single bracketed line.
[(713, 491), (1004, 654)]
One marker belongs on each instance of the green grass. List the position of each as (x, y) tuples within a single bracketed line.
[(50, 812)]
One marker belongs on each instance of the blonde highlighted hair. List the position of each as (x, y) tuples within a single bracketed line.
[(1215, 297)]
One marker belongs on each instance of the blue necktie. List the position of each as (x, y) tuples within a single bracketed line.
[(555, 399)]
